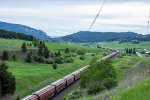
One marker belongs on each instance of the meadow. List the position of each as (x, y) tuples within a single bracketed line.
[(115, 44), (33, 76)]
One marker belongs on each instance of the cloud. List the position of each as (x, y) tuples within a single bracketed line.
[(62, 17)]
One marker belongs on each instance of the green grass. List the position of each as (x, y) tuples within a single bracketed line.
[(138, 91), (144, 45), (124, 63), (31, 77)]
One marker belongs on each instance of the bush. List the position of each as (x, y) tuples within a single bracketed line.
[(58, 60), (102, 76), (82, 57), (5, 55), (14, 57), (54, 66), (39, 59), (80, 52), (68, 60), (49, 61)]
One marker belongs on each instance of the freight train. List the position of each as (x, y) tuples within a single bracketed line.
[(57, 86)]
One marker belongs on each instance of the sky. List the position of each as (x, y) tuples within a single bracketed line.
[(63, 17)]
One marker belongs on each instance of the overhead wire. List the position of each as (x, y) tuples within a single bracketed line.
[(148, 30), (97, 15)]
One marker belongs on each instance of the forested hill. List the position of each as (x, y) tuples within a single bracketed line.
[(87, 36), (13, 35), (24, 29)]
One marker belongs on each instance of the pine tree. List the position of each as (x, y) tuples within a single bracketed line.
[(24, 47), (40, 50), (7, 80), (5, 55), (134, 51), (46, 52), (29, 58)]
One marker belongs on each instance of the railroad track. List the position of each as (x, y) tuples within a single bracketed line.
[(55, 89)]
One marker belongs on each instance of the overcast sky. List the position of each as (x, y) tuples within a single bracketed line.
[(63, 17)]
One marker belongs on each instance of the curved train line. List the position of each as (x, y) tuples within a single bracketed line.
[(51, 90)]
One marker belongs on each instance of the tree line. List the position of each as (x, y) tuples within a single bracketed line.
[(13, 35)]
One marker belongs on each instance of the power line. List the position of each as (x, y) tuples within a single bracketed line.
[(148, 22), (98, 14)]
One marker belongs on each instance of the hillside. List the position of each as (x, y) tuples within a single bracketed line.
[(87, 36), (24, 29), (13, 35)]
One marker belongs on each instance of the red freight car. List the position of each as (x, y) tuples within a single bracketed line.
[(69, 78), (60, 84), (31, 97), (46, 92)]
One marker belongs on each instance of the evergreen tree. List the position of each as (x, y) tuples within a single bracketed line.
[(134, 51), (46, 52), (29, 58), (40, 50), (24, 47), (5, 55), (7, 80), (14, 57), (67, 50)]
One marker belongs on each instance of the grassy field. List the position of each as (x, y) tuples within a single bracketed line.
[(31, 76), (134, 81), (145, 45), (11, 45)]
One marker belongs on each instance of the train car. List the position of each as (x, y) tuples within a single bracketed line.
[(69, 78), (76, 74), (31, 97), (46, 92), (60, 85)]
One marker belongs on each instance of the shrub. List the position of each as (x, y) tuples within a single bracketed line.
[(102, 76), (5, 55), (39, 59), (54, 66), (82, 57), (58, 60), (80, 52), (49, 61), (67, 50), (14, 57), (68, 60)]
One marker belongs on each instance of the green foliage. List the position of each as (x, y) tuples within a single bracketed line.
[(7, 80), (24, 47), (46, 52), (14, 35), (18, 97), (80, 52), (68, 60), (82, 57), (102, 76), (40, 50), (67, 50), (39, 59), (58, 60), (54, 66), (5, 55), (29, 57), (130, 51), (14, 57)]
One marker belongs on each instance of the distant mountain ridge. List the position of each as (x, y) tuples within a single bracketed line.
[(24, 29), (87, 36)]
